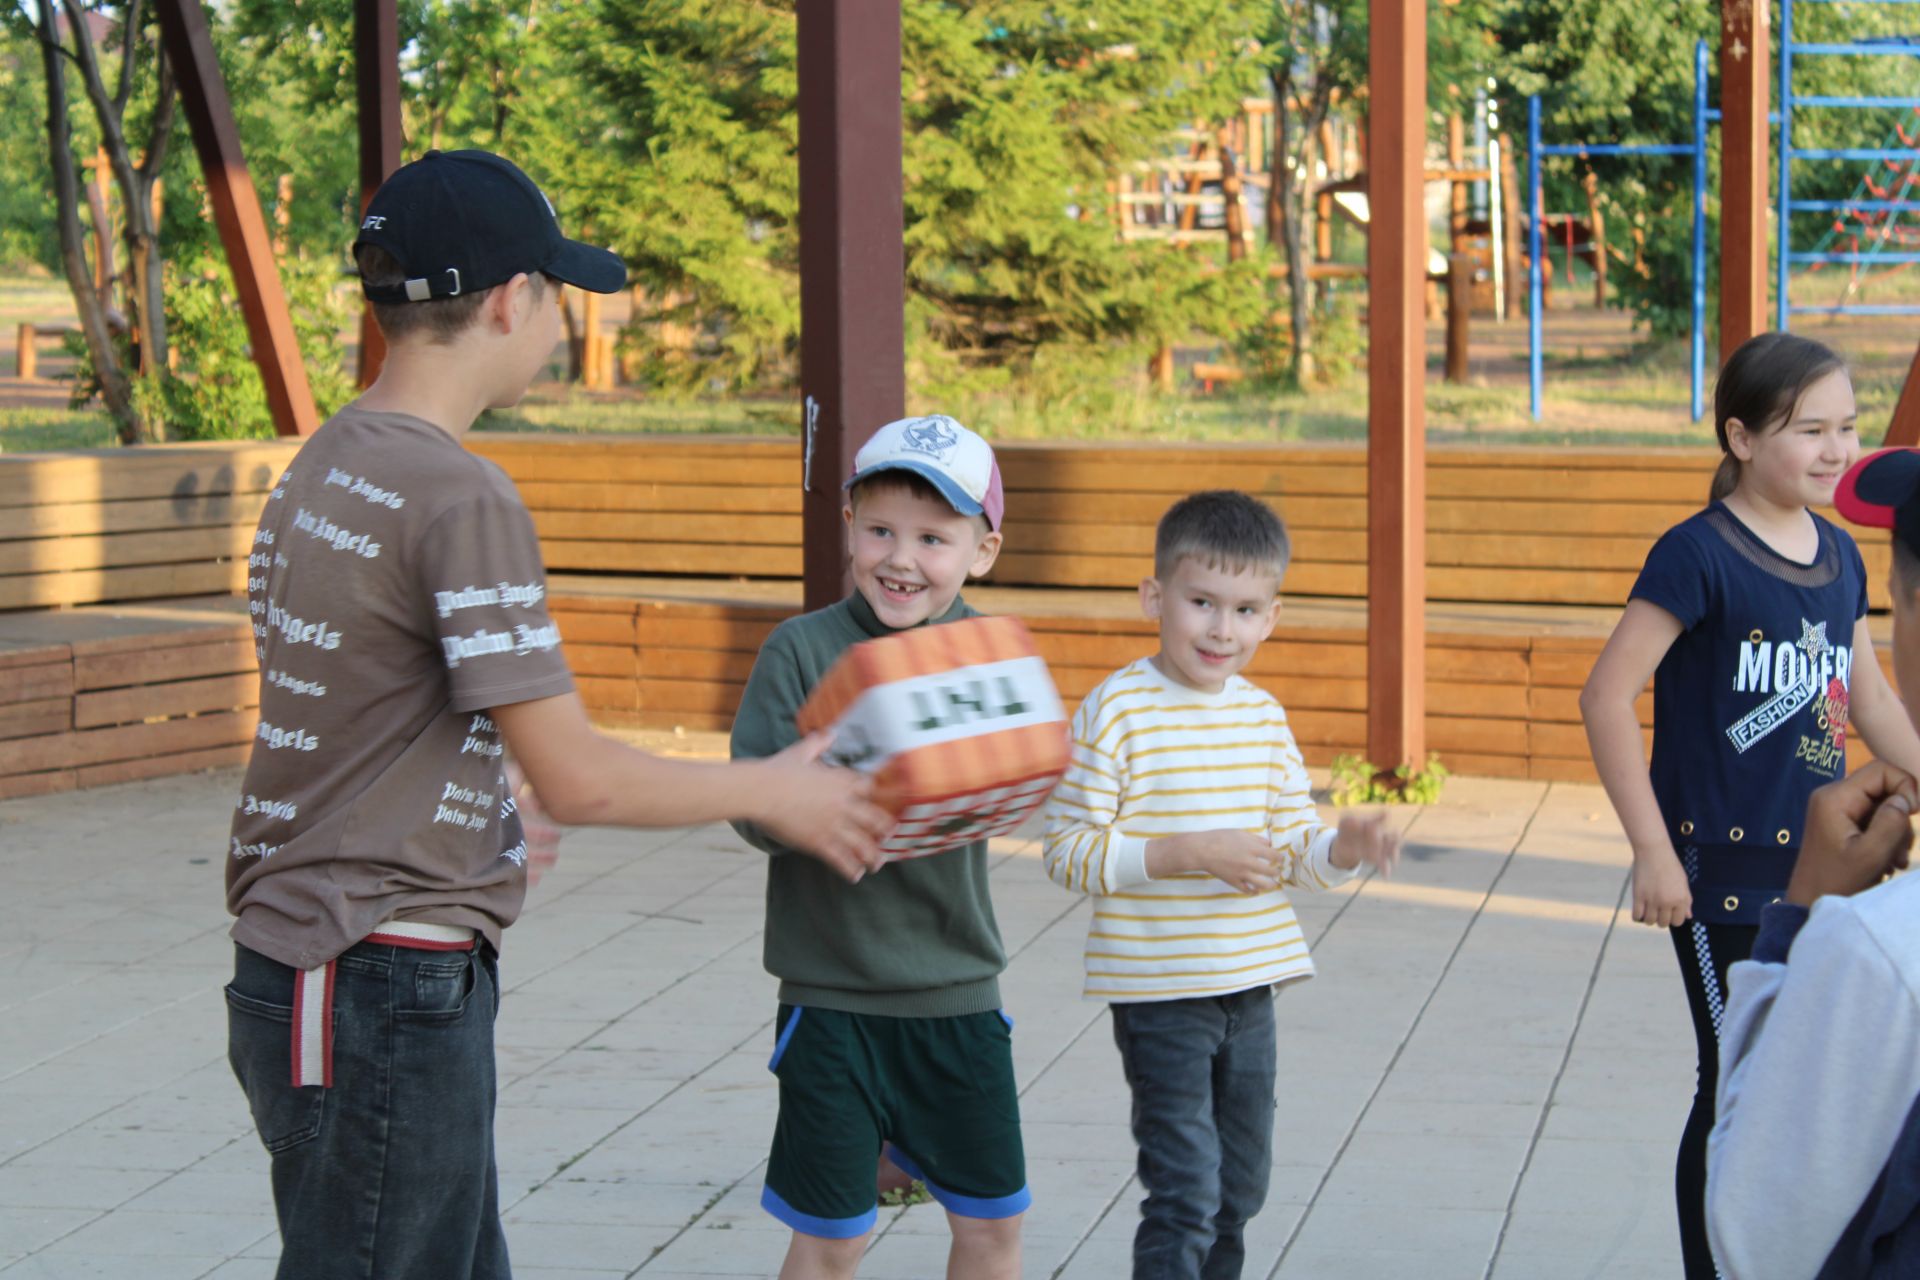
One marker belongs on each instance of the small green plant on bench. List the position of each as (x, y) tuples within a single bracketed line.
[(1355, 781)]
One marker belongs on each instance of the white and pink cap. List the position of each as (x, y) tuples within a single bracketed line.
[(946, 455)]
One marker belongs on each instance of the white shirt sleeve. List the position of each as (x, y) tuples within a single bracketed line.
[(1818, 1071)]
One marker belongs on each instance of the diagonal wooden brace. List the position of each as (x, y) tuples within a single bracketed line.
[(236, 213)]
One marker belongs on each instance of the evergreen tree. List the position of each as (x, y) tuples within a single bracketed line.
[(1016, 114)]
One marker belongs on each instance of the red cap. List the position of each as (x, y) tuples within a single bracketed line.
[(1874, 488)]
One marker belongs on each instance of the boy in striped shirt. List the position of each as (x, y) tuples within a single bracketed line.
[(1185, 812)]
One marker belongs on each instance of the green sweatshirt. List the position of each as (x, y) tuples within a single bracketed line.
[(915, 939)]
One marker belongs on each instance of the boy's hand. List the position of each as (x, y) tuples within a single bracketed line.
[(1661, 897), (1859, 831), (537, 827), (1240, 860), (822, 811), (1365, 838)]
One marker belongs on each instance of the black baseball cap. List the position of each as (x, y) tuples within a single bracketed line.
[(462, 221), (1882, 491)]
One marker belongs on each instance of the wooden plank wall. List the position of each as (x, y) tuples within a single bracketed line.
[(96, 696), (98, 525), (1518, 525), (1500, 705), (1512, 525), (87, 702)]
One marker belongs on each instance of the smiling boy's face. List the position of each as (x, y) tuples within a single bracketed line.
[(1212, 620), (911, 554)]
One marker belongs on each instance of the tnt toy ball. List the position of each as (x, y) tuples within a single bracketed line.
[(960, 726)]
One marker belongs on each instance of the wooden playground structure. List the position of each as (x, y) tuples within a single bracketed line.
[(1450, 601)]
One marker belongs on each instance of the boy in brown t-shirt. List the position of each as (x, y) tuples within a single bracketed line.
[(399, 612)]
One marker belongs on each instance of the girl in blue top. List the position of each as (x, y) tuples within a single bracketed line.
[(1751, 619)]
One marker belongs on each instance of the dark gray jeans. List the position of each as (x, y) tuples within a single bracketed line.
[(1201, 1071), (388, 1175)]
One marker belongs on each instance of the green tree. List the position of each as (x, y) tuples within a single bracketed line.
[(1016, 113), (127, 84)]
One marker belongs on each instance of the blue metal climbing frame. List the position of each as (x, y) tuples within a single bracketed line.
[(1787, 257), (1536, 151)]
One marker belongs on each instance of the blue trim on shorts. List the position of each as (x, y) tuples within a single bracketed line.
[(807, 1224), (786, 1034), (1005, 1017), (955, 1203)]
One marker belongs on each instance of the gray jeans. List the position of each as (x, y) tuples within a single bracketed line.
[(1202, 1075), (389, 1174)]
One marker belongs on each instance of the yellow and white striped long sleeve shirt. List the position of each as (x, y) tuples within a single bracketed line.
[(1154, 758)]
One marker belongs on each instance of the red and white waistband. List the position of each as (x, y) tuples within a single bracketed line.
[(313, 994)]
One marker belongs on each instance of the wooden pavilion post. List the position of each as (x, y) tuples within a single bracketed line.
[(1396, 374), (1743, 172), (236, 213), (376, 60), (852, 262)]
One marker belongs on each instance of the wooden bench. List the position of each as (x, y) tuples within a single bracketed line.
[(98, 695), (1504, 525), (672, 558), (26, 363)]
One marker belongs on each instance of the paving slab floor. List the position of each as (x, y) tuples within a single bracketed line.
[(1486, 1079)]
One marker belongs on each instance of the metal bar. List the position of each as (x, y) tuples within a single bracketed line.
[(1743, 172), (1533, 255), (1396, 374), (1858, 259), (852, 264), (236, 213), (1699, 339), (1857, 49), (1869, 206), (1855, 153), (1859, 309), (1714, 114), (1613, 149), (1904, 426), (376, 61), (1850, 100), (1782, 305)]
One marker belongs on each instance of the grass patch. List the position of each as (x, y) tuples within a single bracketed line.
[(35, 430)]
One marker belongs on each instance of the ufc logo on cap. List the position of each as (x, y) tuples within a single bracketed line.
[(374, 222)]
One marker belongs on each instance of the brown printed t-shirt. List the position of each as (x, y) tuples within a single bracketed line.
[(396, 593)]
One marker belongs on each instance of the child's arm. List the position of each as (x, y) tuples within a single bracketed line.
[(1083, 849), (764, 724), (1080, 848), (1877, 709), (1309, 854), (584, 777), (1645, 633)]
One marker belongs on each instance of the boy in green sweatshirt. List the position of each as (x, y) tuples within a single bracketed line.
[(890, 1029)]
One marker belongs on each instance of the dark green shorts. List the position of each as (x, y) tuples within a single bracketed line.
[(938, 1091)]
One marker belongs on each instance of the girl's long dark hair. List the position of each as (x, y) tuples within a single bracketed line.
[(1759, 385)]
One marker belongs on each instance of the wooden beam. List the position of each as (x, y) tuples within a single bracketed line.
[(236, 213), (1396, 374), (1904, 427), (852, 263), (376, 60), (1743, 172)]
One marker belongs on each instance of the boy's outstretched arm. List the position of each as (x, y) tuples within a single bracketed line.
[(584, 777), (764, 726), (1303, 846)]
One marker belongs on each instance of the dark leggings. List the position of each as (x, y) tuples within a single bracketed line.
[(1704, 949)]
